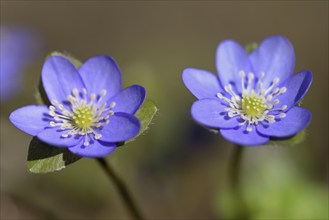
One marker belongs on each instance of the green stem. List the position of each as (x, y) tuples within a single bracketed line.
[(236, 182), (121, 187), (236, 166)]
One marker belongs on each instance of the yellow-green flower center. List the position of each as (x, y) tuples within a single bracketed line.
[(253, 105), (83, 117)]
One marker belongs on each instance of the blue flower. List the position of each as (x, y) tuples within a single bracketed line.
[(18, 48), (89, 112), (254, 96)]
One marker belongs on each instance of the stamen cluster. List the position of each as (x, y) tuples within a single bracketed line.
[(255, 104), (83, 116)]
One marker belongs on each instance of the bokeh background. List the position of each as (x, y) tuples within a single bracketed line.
[(177, 170)]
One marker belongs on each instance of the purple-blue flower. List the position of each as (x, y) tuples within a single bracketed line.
[(254, 96), (89, 111), (18, 47)]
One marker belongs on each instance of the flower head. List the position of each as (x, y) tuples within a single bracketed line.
[(18, 47), (89, 112), (254, 96)]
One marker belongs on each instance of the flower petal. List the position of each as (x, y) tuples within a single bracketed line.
[(296, 120), (31, 119), (275, 57), (53, 137), (122, 127), (231, 58), (212, 113), (297, 86), (101, 72), (129, 100), (95, 149), (201, 83), (239, 135), (59, 78)]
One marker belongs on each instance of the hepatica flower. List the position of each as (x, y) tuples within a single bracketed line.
[(18, 47), (254, 96), (89, 112)]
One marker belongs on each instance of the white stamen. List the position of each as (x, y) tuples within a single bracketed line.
[(54, 102), (269, 98), (113, 104), (250, 78), (261, 76), (103, 92), (97, 136), (249, 128), (284, 107), (75, 93), (51, 113), (92, 97), (219, 95), (283, 90), (276, 90), (241, 74), (276, 101), (53, 124), (276, 80), (282, 115)]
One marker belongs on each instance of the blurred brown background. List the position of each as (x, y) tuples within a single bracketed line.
[(176, 170)]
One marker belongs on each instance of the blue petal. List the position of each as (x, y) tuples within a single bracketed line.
[(296, 120), (129, 100), (211, 113), (31, 119), (240, 136), (101, 72), (122, 127), (59, 78), (95, 149), (297, 86), (53, 137), (275, 57), (201, 83), (231, 58)]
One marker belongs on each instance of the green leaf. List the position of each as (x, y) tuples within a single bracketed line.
[(145, 114), (289, 142), (44, 158), (251, 47), (77, 63)]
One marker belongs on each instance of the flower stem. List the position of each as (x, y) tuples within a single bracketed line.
[(121, 187), (236, 182), (236, 166)]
